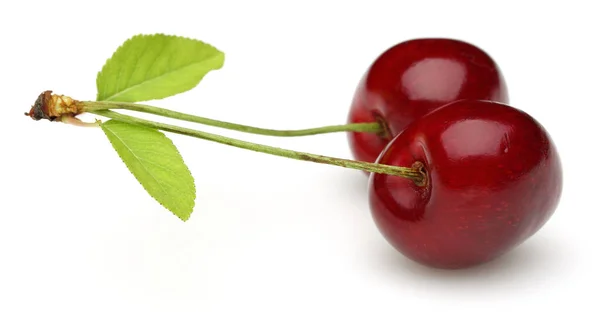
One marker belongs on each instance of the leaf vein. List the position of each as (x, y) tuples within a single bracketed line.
[(178, 69), (140, 162)]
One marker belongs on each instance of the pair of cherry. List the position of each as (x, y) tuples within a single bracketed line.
[(492, 174), (462, 176)]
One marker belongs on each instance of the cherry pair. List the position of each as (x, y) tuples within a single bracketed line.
[(492, 174), (459, 176)]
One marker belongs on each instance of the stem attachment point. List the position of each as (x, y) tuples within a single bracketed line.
[(420, 168), (384, 130)]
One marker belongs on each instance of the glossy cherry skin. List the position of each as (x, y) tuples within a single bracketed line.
[(494, 178), (414, 77)]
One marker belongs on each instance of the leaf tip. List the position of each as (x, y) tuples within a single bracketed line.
[(185, 217)]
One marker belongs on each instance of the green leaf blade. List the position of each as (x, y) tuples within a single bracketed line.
[(152, 67), (156, 163)]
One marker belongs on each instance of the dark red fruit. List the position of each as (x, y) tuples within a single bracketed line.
[(494, 178), (413, 78)]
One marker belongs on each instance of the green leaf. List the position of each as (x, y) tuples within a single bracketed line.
[(151, 67), (156, 163)]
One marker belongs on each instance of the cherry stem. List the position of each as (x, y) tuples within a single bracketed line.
[(93, 106), (411, 173)]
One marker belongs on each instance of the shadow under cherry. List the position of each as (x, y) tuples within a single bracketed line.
[(528, 264)]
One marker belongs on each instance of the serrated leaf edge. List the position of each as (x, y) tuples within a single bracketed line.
[(183, 217), (122, 46)]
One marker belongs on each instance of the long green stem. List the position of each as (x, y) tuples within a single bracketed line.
[(411, 173), (92, 106)]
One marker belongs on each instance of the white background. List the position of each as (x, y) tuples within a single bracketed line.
[(78, 233)]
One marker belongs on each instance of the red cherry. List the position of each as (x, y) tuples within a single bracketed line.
[(494, 178), (414, 77)]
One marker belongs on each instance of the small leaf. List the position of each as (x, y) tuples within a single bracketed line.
[(151, 67), (156, 163)]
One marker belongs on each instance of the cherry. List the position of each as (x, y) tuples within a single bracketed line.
[(493, 178), (414, 77)]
